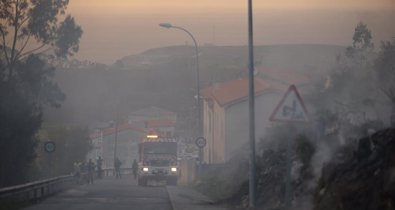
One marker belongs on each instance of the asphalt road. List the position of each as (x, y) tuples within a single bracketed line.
[(108, 194)]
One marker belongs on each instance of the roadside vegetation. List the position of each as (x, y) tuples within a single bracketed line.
[(32, 34), (72, 143), (344, 158)]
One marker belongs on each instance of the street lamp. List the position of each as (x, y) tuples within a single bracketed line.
[(168, 26)]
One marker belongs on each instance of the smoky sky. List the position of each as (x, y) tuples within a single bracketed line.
[(117, 28)]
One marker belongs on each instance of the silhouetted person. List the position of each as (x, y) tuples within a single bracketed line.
[(77, 171), (84, 167), (134, 168), (117, 166), (99, 163), (91, 170)]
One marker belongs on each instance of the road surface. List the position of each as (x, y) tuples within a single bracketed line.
[(108, 194)]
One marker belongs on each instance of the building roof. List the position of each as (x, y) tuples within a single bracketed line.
[(121, 127), (232, 91)]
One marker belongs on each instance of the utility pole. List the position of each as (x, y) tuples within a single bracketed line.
[(251, 97), (116, 135)]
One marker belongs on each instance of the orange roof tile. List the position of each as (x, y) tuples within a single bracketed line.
[(233, 90)]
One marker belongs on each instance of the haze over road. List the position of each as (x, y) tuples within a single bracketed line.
[(108, 194)]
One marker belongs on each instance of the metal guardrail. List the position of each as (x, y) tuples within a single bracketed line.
[(37, 190), (111, 171)]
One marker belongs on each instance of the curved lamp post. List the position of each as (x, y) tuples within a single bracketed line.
[(168, 26)]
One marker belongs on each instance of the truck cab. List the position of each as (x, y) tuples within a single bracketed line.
[(158, 161)]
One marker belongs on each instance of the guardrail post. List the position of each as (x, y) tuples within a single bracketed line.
[(42, 192), (35, 195)]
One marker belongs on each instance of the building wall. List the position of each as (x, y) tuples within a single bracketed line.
[(207, 120), (214, 132), (219, 134), (237, 122), (96, 151)]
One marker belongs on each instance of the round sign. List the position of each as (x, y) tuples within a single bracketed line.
[(201, 142), (49, 146)]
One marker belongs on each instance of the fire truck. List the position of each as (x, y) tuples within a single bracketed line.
[(157, 160)]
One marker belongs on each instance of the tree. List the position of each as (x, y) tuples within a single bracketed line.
[(36, 24), (362, 38), (72, 145), (30, 32), (349, 98), (384, 67)]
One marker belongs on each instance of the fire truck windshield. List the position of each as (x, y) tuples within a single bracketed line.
[(160, 148)]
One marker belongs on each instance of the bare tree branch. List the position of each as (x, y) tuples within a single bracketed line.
[(5, 46), (32, 51), (43, 51), (20, 51), (15, 36), (23, 22), (388, 92)]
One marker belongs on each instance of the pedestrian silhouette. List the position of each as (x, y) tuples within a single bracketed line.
[(134, 168), (99, 163), (117, 166), (91, 170)]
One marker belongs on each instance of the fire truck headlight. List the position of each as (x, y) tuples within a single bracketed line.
[(145, 169), (173, 169)]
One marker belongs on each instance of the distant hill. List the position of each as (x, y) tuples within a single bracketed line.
[(304, 58), (166, 77)]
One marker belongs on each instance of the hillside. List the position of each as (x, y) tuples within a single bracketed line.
[(166, 77), (307, 58)]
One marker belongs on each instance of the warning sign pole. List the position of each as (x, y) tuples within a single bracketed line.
[(288, 186), (291, 109)]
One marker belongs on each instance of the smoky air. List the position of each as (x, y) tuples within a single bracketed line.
[(188, 105)]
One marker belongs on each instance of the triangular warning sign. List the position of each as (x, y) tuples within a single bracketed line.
[(291, 108)]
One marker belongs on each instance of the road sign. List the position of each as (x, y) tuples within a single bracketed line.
[(291, 108), (49, 146), (200, 142)]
